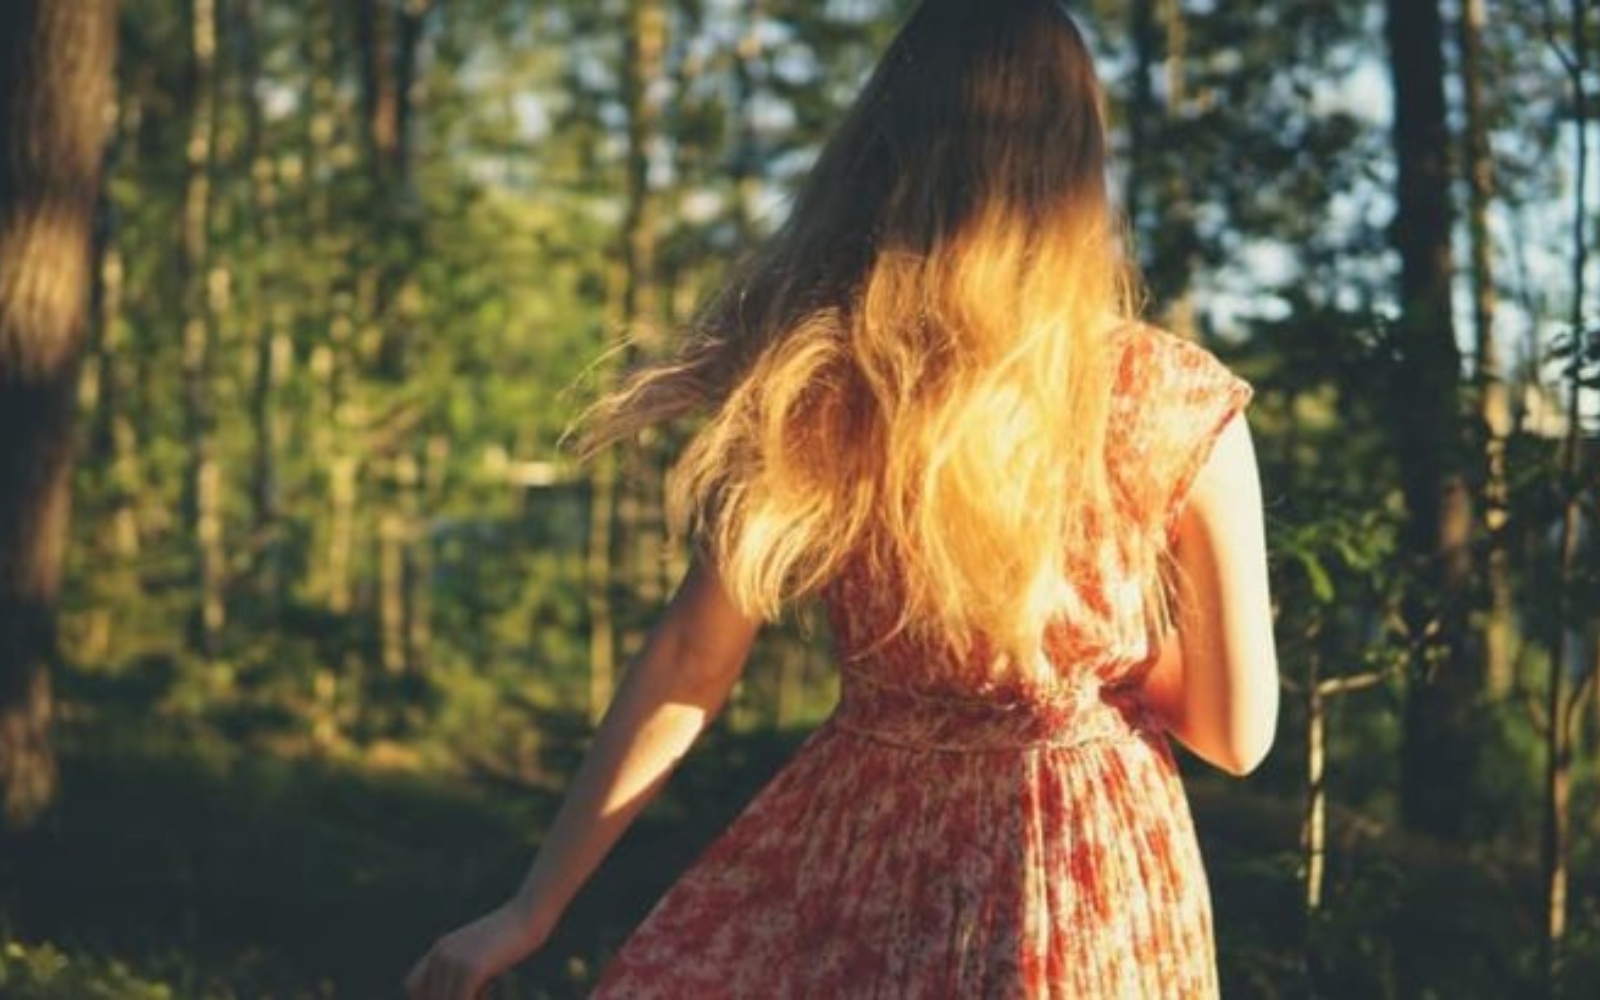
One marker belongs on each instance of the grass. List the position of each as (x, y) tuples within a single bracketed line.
[(184, 859)]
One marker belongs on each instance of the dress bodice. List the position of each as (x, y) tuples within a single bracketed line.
[(1170, 399)]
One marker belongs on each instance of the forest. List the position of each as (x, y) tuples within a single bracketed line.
[(307, 609)]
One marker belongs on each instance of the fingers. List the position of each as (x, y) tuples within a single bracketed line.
[(439, 976)]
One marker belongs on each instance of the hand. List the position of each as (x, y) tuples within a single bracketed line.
[(461, 964)]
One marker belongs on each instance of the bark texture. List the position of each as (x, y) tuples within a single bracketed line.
[(55, 99)]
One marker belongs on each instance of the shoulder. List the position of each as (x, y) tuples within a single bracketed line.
[(1158, 357), (1174, 398), (1168, 378)]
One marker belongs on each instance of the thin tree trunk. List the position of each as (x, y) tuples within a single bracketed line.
[(328, 355), (203, 481), (392, 591), (1562, 703), (419, 617), (599, 568), (1314, 834), (746, 174), (636, 501), (1141, 113), (266, 321), (388, 38), (678, 272), (380, 99), (1158, 200), (1494, 409), (343, 485), (99, 400), (56, 62), (120, 375), (334, 361), (389, 34), (1314, 829), (396, 536), (1177, 215)]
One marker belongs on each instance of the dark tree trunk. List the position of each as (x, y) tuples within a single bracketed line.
[(1438, 753), (55, 93), (1141, 113), (746, 173), (389, 36), (379, 96)]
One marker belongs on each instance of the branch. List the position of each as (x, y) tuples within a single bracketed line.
[(1568, 61), (1329, 687), (1354, 682), (1575, 704)]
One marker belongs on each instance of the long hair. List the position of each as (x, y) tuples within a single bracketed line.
[(916, 368)]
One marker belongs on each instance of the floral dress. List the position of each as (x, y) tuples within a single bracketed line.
[(945, 835)]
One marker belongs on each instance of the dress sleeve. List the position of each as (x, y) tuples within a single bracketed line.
[(1205, 397), (1185, 397)]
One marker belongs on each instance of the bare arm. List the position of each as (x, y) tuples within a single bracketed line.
[(1216, 684), (678, 683)]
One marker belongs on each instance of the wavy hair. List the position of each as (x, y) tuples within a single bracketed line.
[(915, 369)]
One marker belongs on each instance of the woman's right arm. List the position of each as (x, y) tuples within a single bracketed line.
[(1216, 684), (676, 686)]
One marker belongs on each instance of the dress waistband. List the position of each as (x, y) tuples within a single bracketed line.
[(920, 720)]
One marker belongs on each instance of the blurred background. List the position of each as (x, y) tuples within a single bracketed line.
[(297, 685)]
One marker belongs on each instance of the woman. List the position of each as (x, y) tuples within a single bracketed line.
[(1036, 525)]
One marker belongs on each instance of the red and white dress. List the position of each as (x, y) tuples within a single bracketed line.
[(943, 835)]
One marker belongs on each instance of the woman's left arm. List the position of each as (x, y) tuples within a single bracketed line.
[(678, 683)]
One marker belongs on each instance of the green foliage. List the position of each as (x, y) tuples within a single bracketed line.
[(42, 972)]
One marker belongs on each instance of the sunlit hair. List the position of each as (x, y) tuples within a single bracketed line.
[(915, 369)]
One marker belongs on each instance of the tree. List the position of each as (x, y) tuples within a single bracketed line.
[(55, 88), (1438, 752), (203, 479), (1494, 407), (1565, 695)]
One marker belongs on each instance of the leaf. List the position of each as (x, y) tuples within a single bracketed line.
[(1321, 583)]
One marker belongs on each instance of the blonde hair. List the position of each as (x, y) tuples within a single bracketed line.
[(916, 368)]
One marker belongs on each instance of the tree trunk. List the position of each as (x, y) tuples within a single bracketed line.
[(746, 173), (1562, 702), (55, 90), (333, 423), (392, 591), (1494, 407), (267, 321), (1438, 752), (203, 481), (389, 35), (343, 485), (397, 589), (379, 96), (1141, 113), (636, 539), (1314, 830), (1158, 198), (100, 401), (1177, 210), (599, 571)]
